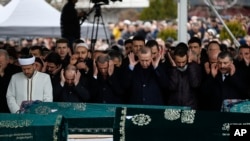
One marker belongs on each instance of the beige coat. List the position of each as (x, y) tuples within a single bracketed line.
[(23, 89)]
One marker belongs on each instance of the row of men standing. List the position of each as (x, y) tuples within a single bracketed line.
[(188, 76)]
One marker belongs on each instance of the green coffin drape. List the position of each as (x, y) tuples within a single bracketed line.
[(32, 127), (132, 124), (86, 117)]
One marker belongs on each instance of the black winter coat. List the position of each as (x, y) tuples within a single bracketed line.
[(183, 86), (147, 85)]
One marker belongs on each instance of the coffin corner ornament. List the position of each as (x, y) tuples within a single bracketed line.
[(141, 119)]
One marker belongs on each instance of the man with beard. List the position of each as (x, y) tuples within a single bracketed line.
[(71, 88), (184, 78), (83, 63), (81, 59), (224, 82), (29, 85)]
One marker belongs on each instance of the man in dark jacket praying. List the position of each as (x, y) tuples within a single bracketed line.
[(71, 87), (145, 78), (184, 78)]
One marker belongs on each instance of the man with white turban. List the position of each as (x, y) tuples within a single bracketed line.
[(29, 85)]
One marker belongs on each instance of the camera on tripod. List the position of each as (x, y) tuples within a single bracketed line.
[(104, 1)]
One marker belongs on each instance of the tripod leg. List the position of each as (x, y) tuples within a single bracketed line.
[(105, 30), (97, 27), (93, 41)]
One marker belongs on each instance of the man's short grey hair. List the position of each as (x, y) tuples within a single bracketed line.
[(5, 53), (71, 67), (102, 59), (144, 50)]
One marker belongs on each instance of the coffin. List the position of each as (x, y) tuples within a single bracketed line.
[(133, 124), (32, 127), (86, 118), (236, 105)]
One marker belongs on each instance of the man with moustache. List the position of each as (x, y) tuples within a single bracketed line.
[(29, 85), (224, 82)]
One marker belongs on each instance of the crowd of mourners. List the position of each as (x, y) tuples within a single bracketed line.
[(137, 68)]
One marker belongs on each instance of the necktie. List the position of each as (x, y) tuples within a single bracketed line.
[(224, 76)]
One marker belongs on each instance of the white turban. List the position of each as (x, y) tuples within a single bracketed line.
[(212, 31), (26, 61), (82, 45)]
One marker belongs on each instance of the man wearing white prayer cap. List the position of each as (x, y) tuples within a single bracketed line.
[(29, 85), (83, 62)]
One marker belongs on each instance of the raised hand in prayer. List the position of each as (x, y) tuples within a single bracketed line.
[(192, 57), (131, 57), (214, 69), (247, 60), (2, 67), (77, 77), (73, 59), (155, 62), (207, 68), (95, 69), (82, 65), (62, 77), (171, 59), (162, 47), (44, 65), (57, 70), (111, 67), (232, 69)]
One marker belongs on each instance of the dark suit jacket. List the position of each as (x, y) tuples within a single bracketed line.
[(216, 90), (4, 83), (183, 86), (107, 90), (146, 85), (78, 93)]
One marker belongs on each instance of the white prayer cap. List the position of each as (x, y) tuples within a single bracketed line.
[(26, 61), (194, 18), (127, 22), (82, 45), (147, 24), (212, 31)]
